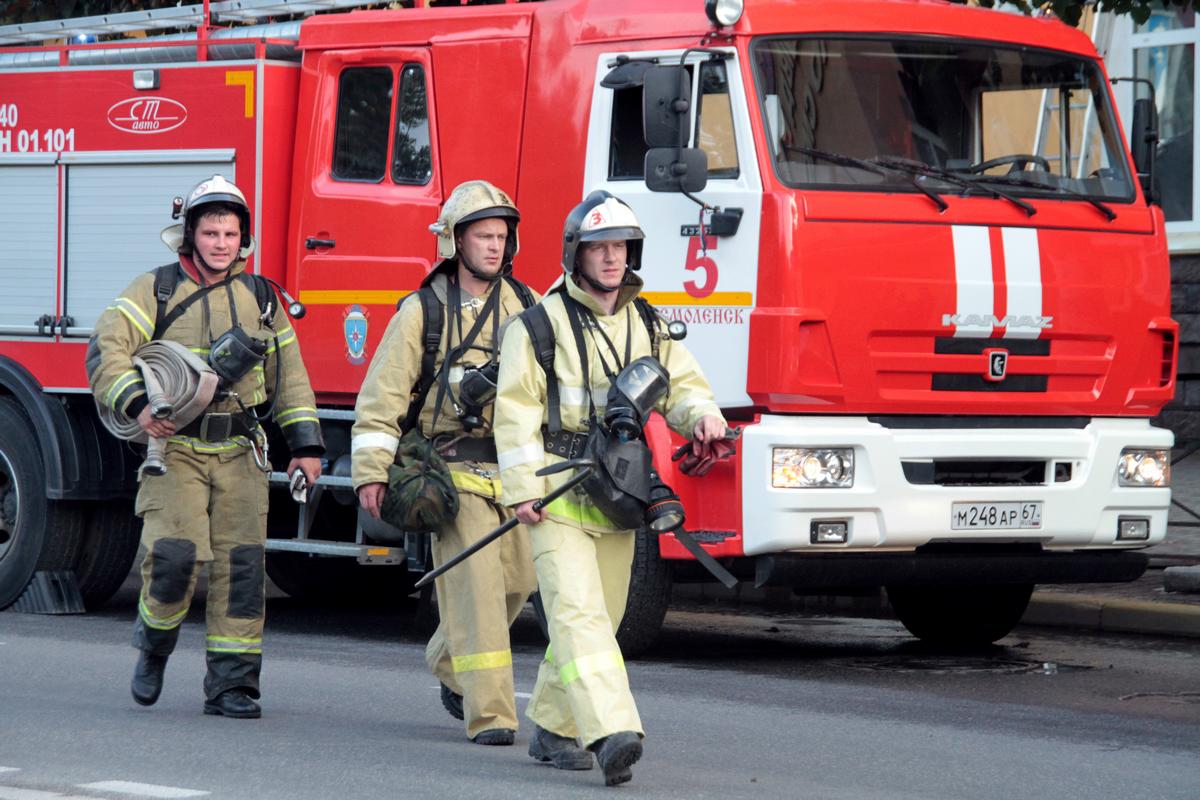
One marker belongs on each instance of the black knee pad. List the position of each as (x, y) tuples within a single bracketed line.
[(172, 562), (246, 582)]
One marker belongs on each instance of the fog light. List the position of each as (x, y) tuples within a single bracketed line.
[(1133, 529), (828, 531), (1139, 467), (812, 468)]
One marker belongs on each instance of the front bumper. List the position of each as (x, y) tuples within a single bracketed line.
[(885, 512), (841, 571)]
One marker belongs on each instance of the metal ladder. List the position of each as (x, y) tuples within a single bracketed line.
[(193, 16)]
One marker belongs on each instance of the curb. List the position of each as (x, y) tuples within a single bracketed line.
[(1114, 614)]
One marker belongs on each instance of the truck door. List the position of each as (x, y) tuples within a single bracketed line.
[(710, 285), (366, 198)]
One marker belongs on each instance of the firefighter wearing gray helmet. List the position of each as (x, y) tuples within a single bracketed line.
[(475, 293), (209, 508), (583, 558)]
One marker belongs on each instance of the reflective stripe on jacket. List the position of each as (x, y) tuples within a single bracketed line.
[(521, 397), (128, 323), (387, 389)]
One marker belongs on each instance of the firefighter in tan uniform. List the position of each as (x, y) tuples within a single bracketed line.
[(583, 559), (210, 506), (469, 653)]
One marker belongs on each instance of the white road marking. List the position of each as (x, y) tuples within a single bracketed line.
[(9, 769), (142, 789), (525, 695), (15, 793)]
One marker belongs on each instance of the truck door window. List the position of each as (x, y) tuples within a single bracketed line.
[(627, 140), (714, 121), (412, 160), (364, 109)]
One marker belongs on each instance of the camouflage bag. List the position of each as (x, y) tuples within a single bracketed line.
[(420, 492)]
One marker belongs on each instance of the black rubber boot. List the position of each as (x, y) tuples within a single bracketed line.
[(148, 678), (561, 752), (452, 702), (496, 737), (616, 754), (233, 703)]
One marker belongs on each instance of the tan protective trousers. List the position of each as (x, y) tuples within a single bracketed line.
[(582, 689), (477, 602), (208, 509)]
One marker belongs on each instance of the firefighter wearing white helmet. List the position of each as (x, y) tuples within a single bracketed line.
[(209, 508), (463, 302), (583, 558)]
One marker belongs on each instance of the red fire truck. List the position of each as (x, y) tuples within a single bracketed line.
[(914, 254)]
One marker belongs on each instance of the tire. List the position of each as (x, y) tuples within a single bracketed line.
[(960, 616), (36, 534), (110, 544), (649, 596)]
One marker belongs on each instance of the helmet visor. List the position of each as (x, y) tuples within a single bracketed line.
[(611, 234)]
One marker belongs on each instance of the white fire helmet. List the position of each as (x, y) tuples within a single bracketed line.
[(601, 217), (216, 189), (470, 202)]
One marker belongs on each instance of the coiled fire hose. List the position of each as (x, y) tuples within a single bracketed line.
[(179, 386)]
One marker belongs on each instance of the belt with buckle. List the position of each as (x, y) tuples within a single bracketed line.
[(219, 426), (564, 443), (466, 448)]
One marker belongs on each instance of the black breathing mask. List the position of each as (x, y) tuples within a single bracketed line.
[(476, 391), (633, 395), (235, 353)]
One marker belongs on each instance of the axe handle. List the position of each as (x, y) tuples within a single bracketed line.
[(507, 526)]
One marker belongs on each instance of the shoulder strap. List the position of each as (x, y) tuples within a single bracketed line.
[(524, 294), (432, 319), (650, 320), (166, 278), (541, 336), (264, 295)]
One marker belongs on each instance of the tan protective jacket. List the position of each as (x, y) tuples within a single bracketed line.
[(521, 408), (128, 323), (387, 389)]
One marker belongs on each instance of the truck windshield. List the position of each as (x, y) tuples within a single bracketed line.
[(846, 112)]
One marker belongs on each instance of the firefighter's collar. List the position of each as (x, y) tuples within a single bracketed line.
[(631, 286)]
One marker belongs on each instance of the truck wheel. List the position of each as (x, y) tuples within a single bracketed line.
[(960, 616), (35, 533), (649, 596), (110, 544)]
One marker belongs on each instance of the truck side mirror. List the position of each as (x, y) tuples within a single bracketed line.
[(676, 169), (666, 103), (1144, 141)]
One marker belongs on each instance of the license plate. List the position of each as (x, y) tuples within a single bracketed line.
[(995, 516)]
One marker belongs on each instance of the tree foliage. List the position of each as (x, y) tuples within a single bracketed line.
[(1069, 11)]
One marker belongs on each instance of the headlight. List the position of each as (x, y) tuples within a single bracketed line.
[(724, 13), (1144, 467), (812, 468)]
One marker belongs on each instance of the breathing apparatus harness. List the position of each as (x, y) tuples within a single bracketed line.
[(231, 355)]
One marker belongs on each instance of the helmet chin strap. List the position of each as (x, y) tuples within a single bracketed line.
[(483, 276)]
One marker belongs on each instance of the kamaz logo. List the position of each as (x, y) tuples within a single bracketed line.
[(1007, 321)]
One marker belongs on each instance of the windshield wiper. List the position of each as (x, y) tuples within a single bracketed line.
[(1108, 213), (873, 166), (921, 168)]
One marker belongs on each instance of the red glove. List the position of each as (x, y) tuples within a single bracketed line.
[(697, 458)]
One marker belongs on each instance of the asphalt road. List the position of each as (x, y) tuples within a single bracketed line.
[(735, 705)]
